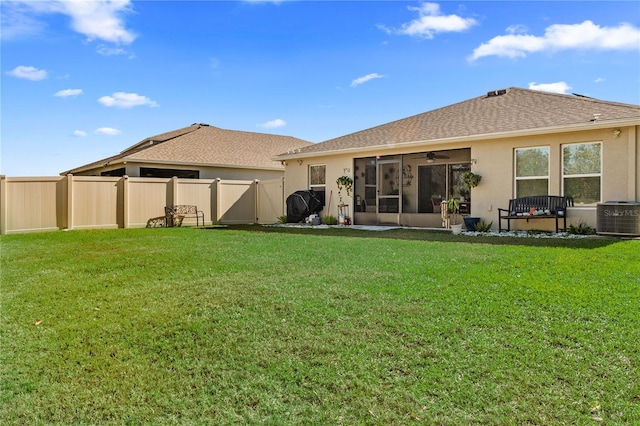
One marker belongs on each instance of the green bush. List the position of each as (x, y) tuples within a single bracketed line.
[(483, 226), (581, 229), (282, 219), (330, 220)]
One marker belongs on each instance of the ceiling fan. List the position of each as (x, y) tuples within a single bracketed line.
[(431, 156)]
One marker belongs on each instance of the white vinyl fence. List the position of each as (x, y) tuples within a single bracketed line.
[(33, 204)]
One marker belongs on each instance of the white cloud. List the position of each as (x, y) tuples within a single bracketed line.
[(599, 80), (28, 73), (97, 19), (431, 21), (516, 29), (107, 131), (17, 20), (80, 133), (360, 80), (273, 124), (68, 92), (586, 35), (126, 100), (114, 51), (559, 87)]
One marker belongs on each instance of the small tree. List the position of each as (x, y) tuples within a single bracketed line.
[(346, 183)]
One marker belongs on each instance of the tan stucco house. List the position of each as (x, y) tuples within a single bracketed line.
[(522, 142), (199, 151)]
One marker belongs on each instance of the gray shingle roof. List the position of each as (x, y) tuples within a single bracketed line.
[(505, 111), (207, 145)]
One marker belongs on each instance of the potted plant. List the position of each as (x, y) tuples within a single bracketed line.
[(470, 180), (344, 183), (453, 210)]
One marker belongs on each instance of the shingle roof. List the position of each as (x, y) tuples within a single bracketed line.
[(504, 111), (207, 145)]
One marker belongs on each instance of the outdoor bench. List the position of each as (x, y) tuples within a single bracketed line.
[(536, 207), (174, 215)]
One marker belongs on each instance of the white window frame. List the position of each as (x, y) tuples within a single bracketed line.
[(322, 186), (523, 178), (569, 176)]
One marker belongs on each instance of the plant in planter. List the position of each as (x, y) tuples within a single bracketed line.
[(344, 183), (470, 180), (453, 210)]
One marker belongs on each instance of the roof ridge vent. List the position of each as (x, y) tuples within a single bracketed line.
[(494, 93)]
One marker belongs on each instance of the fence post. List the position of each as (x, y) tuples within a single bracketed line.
[(256, 198), (218, 200), (69, 201), (283, 204), (3, 204), (174, 191), (125, 201)]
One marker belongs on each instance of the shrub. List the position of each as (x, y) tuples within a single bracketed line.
[(330, 220), (282, 219), (483, 226), (581, 229)]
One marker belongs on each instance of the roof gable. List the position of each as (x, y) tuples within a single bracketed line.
[(204, 145), (162, 137), (212, 145)]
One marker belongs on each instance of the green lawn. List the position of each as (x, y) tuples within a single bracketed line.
[(253, 325)]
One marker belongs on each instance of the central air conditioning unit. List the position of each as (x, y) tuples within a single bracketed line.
[(619, 218)]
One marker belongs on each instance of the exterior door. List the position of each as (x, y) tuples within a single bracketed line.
[(389, 191), (432, 188)]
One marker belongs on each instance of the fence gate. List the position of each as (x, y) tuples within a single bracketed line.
[(270, 201)]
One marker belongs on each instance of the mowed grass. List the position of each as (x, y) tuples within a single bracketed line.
[(254, 325)]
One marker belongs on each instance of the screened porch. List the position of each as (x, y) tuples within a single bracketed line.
[(408, 189)]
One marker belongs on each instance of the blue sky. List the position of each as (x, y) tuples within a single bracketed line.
[(83, 80)]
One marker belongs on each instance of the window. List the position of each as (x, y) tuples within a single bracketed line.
[(581, 172), (117, 172), (532, 171), (169, 173), (318, 180)]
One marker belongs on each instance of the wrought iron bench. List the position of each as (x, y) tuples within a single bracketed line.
[(536, 207), (174, 215)]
